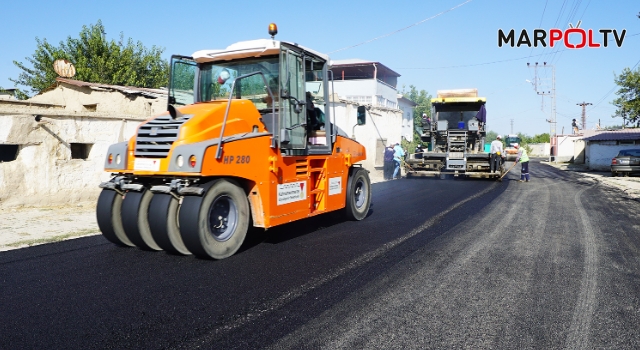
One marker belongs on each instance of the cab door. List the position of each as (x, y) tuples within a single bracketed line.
[(293, 113)]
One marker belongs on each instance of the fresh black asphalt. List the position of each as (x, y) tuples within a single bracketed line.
[(464, 263)]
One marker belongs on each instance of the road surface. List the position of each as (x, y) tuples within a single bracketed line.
[(550, 264)]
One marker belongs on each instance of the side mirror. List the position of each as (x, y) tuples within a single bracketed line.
[(362, 115)]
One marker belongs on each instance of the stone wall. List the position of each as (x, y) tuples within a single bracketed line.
[(102, 101), (44, 172), (60, 158), (540, 149)]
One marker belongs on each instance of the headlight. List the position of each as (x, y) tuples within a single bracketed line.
[(180, 161), (118, 159)]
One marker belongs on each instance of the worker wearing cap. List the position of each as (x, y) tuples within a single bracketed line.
[(523, 158), (496, 154)]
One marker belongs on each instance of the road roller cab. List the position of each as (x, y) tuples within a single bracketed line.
[(247, 140)]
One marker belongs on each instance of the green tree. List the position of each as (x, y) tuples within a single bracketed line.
[(423, 100), (491, 135), (96, 59), (628, 101), (540, 138)]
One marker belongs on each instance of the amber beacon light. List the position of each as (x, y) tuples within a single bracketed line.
[(273, 29)]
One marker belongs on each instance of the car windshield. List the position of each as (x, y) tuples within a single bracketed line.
[(216, 79), (629, 153)]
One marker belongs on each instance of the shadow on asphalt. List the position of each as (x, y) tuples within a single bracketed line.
[(299, 228), (293, 230)]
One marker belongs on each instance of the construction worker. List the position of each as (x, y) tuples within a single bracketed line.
[(523, 158), (388, 162), (574, 125), (419, 151), (426, 122), (496, 153), (398, 156)]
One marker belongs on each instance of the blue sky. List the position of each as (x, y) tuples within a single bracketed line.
[(457, 49)]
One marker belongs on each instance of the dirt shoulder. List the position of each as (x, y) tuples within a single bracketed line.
[(24, 227), (630, 186)]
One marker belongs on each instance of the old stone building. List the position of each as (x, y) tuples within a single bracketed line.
[(52, 146)]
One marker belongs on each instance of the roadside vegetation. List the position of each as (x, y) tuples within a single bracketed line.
[(95, 59), (423, 100)]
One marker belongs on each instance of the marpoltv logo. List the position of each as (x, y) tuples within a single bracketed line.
[(572, 38)]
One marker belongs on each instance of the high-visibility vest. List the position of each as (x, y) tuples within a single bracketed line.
[(524, 157)]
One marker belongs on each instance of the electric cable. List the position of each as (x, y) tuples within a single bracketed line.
[(399, 30)]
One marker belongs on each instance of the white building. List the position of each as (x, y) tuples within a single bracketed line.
[(389, 119), (365, 82), (598, 149), (408, 108)]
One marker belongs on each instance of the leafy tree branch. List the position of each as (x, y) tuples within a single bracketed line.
[(96, 59)]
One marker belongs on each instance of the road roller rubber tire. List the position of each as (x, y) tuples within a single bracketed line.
[(358, 194), (109, 219), (135, 208), (163, 222), (216, 224)]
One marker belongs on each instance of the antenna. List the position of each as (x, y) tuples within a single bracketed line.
[(64, 68)]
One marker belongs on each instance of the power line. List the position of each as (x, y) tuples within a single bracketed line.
[(610, 91), (478, 64), (540, 25), (405, 28), (492, 62), (585, 9)]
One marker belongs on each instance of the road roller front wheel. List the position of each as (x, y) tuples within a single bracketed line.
[(135, 220), (108, 214), (163, 222)]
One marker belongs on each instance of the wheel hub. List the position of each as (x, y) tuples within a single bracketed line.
[(223, 218)]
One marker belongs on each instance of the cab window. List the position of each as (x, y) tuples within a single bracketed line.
[(216, 80)]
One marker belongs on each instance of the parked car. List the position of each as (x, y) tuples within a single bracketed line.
[(627, 162)]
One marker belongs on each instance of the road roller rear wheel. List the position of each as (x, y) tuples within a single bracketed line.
[(358, 194), (216, 224)]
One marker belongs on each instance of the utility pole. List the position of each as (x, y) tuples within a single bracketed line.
[(584, 113), (552, 93), (512, 126)]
